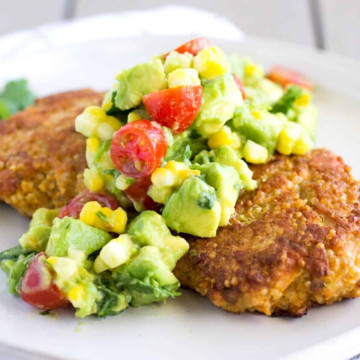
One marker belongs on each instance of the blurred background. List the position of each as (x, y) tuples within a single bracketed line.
[(326, 24)]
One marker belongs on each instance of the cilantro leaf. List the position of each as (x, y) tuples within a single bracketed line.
[(15, 97)]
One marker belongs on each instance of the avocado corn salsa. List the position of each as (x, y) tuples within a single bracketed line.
[(167, 154)]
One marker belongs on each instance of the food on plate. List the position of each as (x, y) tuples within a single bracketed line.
[(171, 148), (293, 242), (15, 97), (41, 155)]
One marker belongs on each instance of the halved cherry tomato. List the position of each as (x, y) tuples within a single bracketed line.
[(138, 148), (38, 287), (137, 193), (284, 77), (74, 207), (240, 85), (175, 108), (192, 46)]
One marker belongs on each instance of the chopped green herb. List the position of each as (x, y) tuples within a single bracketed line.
[(101, 216), (206, 200), (15, 97)]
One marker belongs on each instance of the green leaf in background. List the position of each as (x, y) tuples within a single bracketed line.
[(15, 97)]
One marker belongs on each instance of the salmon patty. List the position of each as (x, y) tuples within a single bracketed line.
[(42, 158), (293, 243)]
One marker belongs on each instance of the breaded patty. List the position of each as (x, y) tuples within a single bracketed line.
[(42, 158), (293, 243)]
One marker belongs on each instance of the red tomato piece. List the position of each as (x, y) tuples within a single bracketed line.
[(74, 207), (138, 148), (240, 85), (175, 108), (38, 287), (284, 77), (137, 193), (193, 46)]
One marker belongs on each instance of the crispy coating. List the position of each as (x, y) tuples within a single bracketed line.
[(42, 158), (293, 243)]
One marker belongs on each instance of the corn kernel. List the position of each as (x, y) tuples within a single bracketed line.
[(77, 295), (133, 116), (159, 195), (92, 147), (287, 139), (255, 153), (211, 62), (93, 179), (256, 114), (63, 266), (94, 214), (235, 141), (303, 100), (117, 251), (221, 138), (182, 77), (122, 182), (254, 70), (303, 145), (163, 177), (99, 265)]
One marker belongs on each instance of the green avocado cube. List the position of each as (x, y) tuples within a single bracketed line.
[(227, 183), (148, 263), (221, 97), (193, 209), (138, 81), (69, 233)]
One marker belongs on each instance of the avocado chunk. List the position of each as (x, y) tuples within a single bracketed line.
[(227, 183), (148, 263), (193, 209), (69, 233), (138, 81), (221, 97), (308, 119), (264, 131), (149, 229), (225, 155), (37, 236)]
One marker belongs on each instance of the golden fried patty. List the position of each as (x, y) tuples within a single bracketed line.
[(293, 243), (42, 158)]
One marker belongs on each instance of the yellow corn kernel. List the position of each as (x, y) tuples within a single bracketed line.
[(77, 295), (302, 145), (180, 169), (211, 62), (255, 153), (122, 182), (92, 147), (182, 77), (254, 70), (256, 114), (94, 214), (235, 141), (99, 265), (303, 100), (52, 260), (163, 177), (95, 111), (159, 195), (93, 179), (220, 138), (118, 220), (287, 139), (133, 116)]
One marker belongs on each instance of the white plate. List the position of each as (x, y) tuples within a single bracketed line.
[(189, 327)]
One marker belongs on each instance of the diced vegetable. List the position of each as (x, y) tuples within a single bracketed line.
[(175, 108), (138, 148), (284, 77)]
